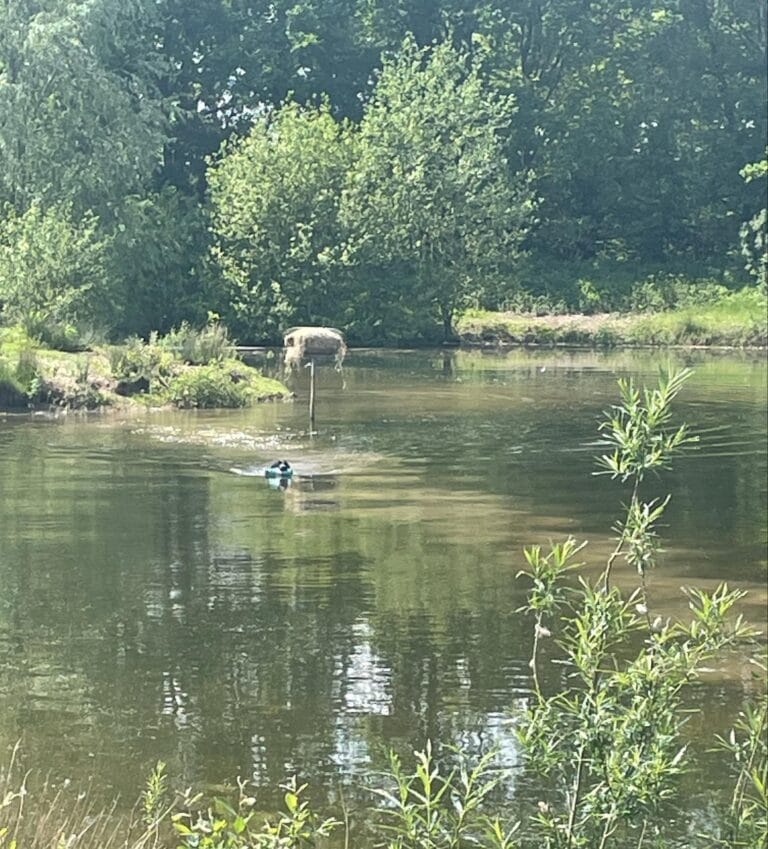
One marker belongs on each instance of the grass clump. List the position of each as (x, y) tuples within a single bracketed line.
[(66, 336), (191, 369), (13, 394), (141, 366), (208, 386), (20, 381), (14, 338), (210, 344), (225, 384), (38, 814)]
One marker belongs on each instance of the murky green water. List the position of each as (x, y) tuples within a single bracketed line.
[(158, 599)]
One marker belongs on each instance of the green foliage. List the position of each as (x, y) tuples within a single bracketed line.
[(211, 344), (430, 809), (35, 813), (20, 376), (59, 146), (154, 798), (746, 822), (13, 393), (738, 318), (663, 292), (139, 362), (547, 595), (754, 233), (275, 197), (637, 430), (214, 385), (625, 110), (223, 826), (155, 263), (640, 439), (629, 122), (51, 265), (624, 719), (608, 744), (432, 202)]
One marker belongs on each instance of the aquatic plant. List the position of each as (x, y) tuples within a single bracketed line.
[(36, 813)]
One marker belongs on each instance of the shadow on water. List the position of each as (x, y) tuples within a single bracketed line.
[(161, 599)]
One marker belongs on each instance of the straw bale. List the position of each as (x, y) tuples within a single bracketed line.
[(314, 341)]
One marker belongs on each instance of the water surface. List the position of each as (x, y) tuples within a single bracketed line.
[(159, 599)]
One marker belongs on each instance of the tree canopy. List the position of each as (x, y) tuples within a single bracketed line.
[(367, 162), (275, 203), (432, 199)]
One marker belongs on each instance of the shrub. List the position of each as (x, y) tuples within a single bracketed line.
[(141, 364), (211, 344), (208, 386), (666, 291), (441, 808), (19, 382), (13, 395), (609, 745), (51, 265), (746, 822), (222, 825), (66, 336)]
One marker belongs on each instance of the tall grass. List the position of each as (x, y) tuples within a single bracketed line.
[(737, 318), (19, 377), (35, 813), (209, 344)]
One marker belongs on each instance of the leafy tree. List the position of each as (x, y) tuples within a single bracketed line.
[(227, 58), (155, 263), (635, 118), (275, 200), (82, 128), (51, 267), (431, 199), (80, 120), (754, 233)]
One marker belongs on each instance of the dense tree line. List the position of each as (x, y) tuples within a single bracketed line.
[(376, 164)]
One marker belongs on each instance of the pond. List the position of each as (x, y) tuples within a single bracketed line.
[(160, 599)]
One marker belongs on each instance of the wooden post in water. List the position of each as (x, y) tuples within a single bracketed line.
[(302, 343), (311, 395)]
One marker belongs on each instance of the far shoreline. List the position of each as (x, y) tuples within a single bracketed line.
[(732, 323)]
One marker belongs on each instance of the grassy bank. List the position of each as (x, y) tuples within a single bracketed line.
[(737, 319), (186, 369)]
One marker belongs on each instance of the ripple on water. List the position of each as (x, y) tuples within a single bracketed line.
[(197, 616)]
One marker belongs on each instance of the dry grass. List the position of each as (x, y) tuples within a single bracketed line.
[(36, 814)]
